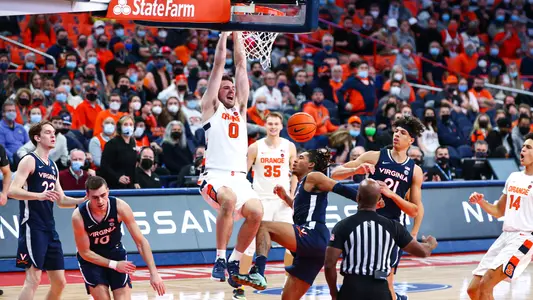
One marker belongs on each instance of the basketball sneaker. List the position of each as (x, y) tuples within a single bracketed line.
[(254, 279), (401, 297), (238, 294), (233, 270), (219, 270)]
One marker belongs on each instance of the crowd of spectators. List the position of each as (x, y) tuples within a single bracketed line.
[(124, 98)]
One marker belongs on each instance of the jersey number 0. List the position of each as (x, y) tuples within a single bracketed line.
[(233, 130)]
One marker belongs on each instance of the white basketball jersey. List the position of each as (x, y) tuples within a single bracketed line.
[(519, 206), (271, 167), (226, 137)]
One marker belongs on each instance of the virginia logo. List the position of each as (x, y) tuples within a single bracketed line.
[(122, 8)]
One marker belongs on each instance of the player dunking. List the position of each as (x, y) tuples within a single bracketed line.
[(397, 174), (224, 184), (37, 187), (511, 253), (308, 237), (270, 159), (101, 255)]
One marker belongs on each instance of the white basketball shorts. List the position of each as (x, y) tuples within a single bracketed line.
[(212, 180), (512, 251)]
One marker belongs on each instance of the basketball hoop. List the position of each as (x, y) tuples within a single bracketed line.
[(258, 45)]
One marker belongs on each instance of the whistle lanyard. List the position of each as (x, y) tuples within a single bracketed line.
[(447, 176)]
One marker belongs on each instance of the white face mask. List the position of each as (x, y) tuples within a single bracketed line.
[(162, 34), (109, 128), (127, 130), (406, 52), (139, 131), (136, 106), (157, 110), (114, 105), (374, 14), (173, 109), (261, 106), (99, 31), (395, 90), (398, 77), (482, 63)]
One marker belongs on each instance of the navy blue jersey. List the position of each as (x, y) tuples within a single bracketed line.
[(39, 214), (309, 207), (105, 236), (399, 177)]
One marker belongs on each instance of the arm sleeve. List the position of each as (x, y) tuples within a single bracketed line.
[(336, 239)]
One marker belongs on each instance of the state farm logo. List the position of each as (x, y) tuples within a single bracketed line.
[(122, 8), (154, 8)]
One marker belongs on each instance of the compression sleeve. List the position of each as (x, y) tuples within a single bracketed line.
[(345, 191)]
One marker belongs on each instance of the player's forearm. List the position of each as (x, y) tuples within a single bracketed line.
[(330, 271), (21, 194), (146, 252), (240, 57), (95, 258), (418, 219), (6, 182), (294, 185), (407, 207), (220, 52), (341, 173), (491, 209), (69, 202)]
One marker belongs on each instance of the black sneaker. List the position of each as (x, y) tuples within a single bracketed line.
[(238, 294)]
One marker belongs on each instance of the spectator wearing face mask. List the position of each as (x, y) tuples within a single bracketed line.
[(74, 177), (271, 92), (508, 42), (481, 95), (120, 157), (442, 170), (433, 72), (58, 50), (157, 108), (257, 113), (139, 133), (176, 154), (519, 132), (406, 92), (467, 61), (493, 58), (118, 35), (481, 128), (482, 69), (354, 128), (416, 155), (449, 133), (301, 90), (407, 61), (188, 175), (87, 112), (523, 109), (500, 140), (112, 112), (125, 91), (327, 51), (61, 102), (12, 134), (429, 140), (144, 175), (134, 106), (98, 142), (24, 103), (358, 93), (178, 89), (36, 116), (256, 76)]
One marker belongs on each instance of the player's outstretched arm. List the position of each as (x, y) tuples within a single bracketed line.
[(496, 210), (242, 84), (83, 245), (210, 98), (126, 215), (66, 201), (16, 189), (323, 183), (415, 196), (252, 155), (364, 164)]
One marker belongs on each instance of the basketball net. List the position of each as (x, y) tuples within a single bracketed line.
[(258, 45)]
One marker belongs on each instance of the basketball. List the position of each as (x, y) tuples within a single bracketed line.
[(301, 127)]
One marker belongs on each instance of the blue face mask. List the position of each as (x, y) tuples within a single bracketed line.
[(11, 115), (47, 93), (494, 51), (500, 18), (462, 88), (30, 65), (128, 47), (494, 73), (355, 133), (515, 18), (446, 17), (513, 74), (62, 98), (127, 130), (76, 165), (328, 47), (192, 104), (92, 60), (434, 51), (362, 74), (119, 32), (229, 61), (134, 77), (35, 118), (4, 66), (67, 88), (300, 84), (141, 33), (71, 65)]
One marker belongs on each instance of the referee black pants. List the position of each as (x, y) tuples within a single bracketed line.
[(356, 287)]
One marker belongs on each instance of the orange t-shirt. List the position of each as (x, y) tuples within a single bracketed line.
[(509, 47), (254, 116), (104, 114), (482, 94), (183, 53), (57, 108), (319, 113), (86, 114)]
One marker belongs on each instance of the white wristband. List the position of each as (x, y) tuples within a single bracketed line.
[(113, 264)]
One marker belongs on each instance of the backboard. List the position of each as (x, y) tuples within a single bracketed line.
[(291, 16)]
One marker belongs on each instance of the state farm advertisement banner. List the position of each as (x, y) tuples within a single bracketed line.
[(194, 11), (187, 223)]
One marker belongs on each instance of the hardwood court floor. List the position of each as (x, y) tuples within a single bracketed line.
[(436, 278)]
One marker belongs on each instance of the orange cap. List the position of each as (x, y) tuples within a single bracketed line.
[(452, 79), (354, 119), (181, 77)]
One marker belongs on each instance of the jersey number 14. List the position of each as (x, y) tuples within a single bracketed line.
[(514, 203)]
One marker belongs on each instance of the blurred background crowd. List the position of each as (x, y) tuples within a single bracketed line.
[(124, 98)]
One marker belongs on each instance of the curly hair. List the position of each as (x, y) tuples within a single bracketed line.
[(413, 125), (321, 158)]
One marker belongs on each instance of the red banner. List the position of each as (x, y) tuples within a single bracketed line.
[(194, 11)]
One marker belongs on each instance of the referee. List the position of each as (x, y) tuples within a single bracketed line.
[(366, 240)]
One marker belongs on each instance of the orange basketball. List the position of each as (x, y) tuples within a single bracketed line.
[(301, 127)]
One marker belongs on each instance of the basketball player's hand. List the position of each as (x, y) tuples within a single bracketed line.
[(126, 267), (280, 191), (3, 199), (365, 168), (431, 241), (476, 197), (50, 196), (385, 190), (157, 284)]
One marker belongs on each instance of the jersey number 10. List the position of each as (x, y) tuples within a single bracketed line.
[(101, 240)]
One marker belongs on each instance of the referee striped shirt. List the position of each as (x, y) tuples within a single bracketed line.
[(367, 241)]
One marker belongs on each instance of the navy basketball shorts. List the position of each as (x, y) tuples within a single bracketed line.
[(39, 248), (94, 275), (311, 243)]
